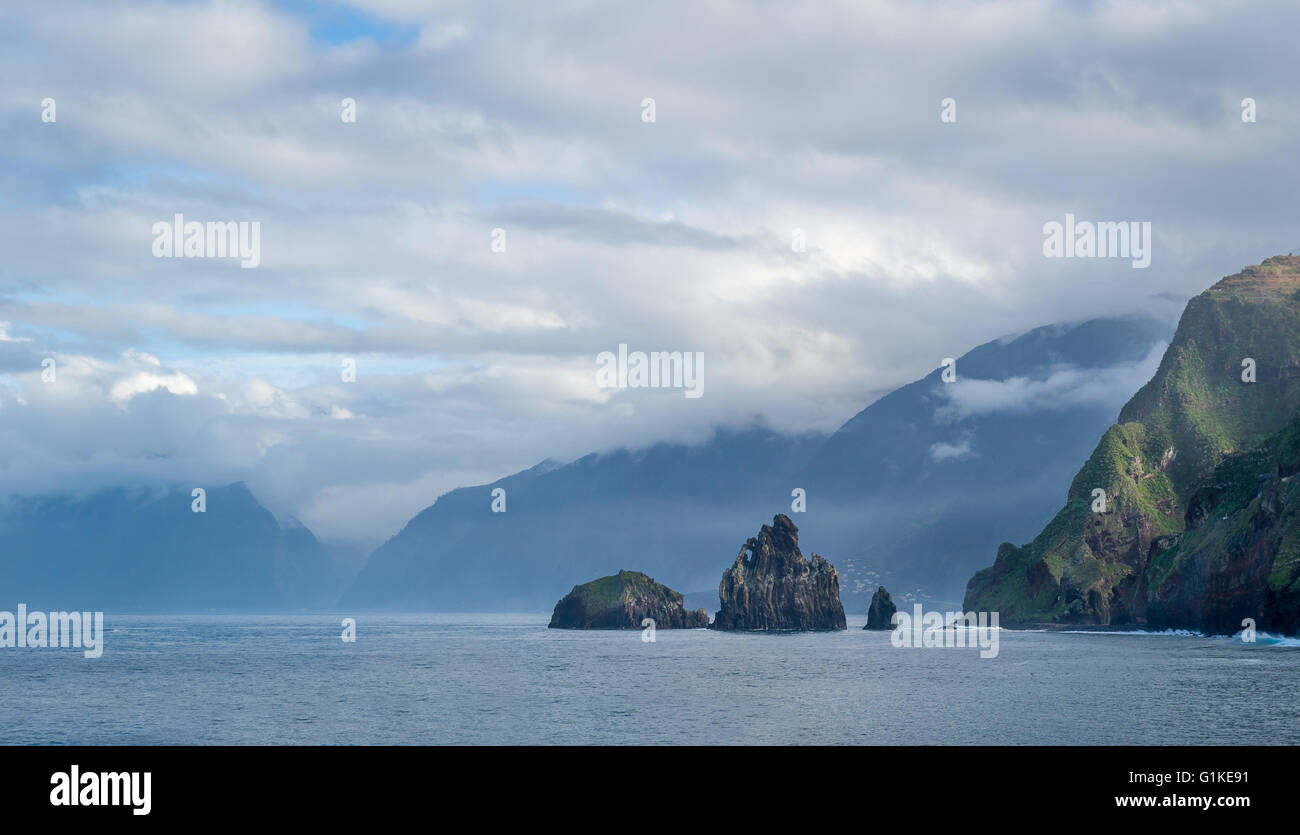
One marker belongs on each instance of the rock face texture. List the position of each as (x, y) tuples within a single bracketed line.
[(881, 613), (1199, 523), (622, 601), (1239, 555), (771, 586)]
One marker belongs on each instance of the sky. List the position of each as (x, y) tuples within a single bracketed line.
[(526, 126)]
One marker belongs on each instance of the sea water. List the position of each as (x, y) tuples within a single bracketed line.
[(507, 679)]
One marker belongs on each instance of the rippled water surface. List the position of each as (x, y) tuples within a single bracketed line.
[(508, 679)]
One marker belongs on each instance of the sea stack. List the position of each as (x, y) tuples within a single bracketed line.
[(622, 601), (771, 586), (881, 614)]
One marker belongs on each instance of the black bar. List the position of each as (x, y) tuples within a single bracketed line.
[(921, 785)]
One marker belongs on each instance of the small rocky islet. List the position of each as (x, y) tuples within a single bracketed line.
[(880, 616), (771, 586), (622, 601)]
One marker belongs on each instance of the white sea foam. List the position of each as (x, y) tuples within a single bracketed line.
[(1167, 633), (1271, 640)]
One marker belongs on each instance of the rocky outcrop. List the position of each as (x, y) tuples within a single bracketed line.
[(771, 586), (881, 613), (622, 601), (1186, 514)]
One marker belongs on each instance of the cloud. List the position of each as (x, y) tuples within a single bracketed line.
[(1063, 388), (942, 451), (142, 381), (923, 239)]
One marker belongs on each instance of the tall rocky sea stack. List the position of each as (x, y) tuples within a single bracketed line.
[(771, 586), (1187, 514), (881, 614), (622, 601)]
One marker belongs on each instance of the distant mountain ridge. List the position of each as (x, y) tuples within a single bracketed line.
[(917, 488), (147, 550), (879, 500), (924, 478)]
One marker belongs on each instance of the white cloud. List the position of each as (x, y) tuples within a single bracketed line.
[(923, 239), (942, 451), (141, 382), (1064, 388)]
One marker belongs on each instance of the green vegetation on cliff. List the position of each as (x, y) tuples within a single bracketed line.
[(1192, 441), (622, 601)]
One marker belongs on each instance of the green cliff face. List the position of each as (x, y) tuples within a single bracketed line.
[(1199, 524), (1239, 556)]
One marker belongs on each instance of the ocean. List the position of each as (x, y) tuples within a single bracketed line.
[(507, 679)]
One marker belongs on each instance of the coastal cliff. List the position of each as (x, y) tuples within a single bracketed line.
[(1185, 515)]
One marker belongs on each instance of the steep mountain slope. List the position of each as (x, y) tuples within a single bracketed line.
[(1199, 511), (926, 481), (146, 550), (903, 489)]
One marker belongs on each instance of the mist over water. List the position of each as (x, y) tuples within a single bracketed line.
[(479, 679)]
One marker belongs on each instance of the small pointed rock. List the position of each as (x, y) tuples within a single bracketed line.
[(881, 614)]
